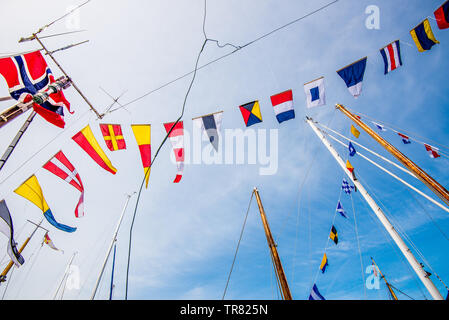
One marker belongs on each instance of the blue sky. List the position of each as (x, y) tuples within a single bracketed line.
[(185, 235)]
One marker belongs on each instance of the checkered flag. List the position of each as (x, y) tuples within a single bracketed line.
[(346, 187)]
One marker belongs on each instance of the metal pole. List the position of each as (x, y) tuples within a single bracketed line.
[(73, 84), (422, 275), (114, 238)]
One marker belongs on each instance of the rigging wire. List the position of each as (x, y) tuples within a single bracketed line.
[(157, 152), (238, 245), (394, 129), (358, 246), (404, 234), (236, 48), (388, 239)]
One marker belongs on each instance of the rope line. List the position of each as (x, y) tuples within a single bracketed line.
[(238, 245)]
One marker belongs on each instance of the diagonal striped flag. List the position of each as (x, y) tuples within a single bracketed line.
[(61, 167), (86, 140), (432, 151), (176, 137)]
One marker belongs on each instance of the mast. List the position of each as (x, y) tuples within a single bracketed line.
[(273, 251), (433, 185), (11, 263), (13, 112), (416, 266), (114, 239), (386, 282), (99, 116)]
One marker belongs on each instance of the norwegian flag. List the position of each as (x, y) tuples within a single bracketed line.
[(176, 137), (432, 151), (392, 56), (26, 75), (61, 167)]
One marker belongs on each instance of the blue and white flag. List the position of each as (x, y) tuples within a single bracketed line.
[(315, 294), (341, 211), (315, 95), (352, 151), (353, 76), (379, 126), (346, 187)]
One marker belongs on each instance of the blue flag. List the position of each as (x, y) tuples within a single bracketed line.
[(353, 76), (341, 211), (315, 294), (352, 151)]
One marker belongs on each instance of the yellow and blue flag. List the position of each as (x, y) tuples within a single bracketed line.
[(423, 36), (324, 264), (31, 190), (251, 113)]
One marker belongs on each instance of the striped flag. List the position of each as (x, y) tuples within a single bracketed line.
[(113, 136), (315, 294), (283, 106), (6, 227), (142, 133), (392, 56), (32, 191), (86, 140), (423, 36), (442, 15), (176, 137), (432, 151), (61, 167), (405, 139)]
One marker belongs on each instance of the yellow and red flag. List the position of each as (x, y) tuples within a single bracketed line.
[(349, 166), (113, 136), (142, 132), (86, 140)]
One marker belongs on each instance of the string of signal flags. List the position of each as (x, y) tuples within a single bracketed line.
[(27, 74)]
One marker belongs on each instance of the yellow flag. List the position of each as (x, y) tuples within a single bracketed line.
[(354, 131), (142, 132)]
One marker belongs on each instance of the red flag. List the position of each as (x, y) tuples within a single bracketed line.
[(61, 167), (177, 139), (113, 136), (432, 151)]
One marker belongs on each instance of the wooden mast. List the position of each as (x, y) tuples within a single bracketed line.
[(273, 251), (386, 282), (433, 185), (11, 263)]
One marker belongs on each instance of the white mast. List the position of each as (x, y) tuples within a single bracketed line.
[(114, 238), (422, 275)]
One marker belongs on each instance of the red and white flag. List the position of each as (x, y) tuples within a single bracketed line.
[(432, 151), (61, 167), (392, 56), (176, 137)]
